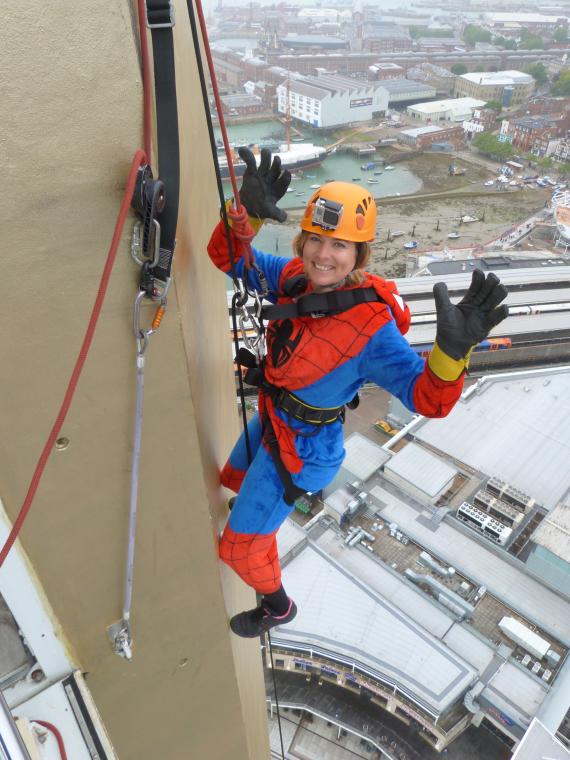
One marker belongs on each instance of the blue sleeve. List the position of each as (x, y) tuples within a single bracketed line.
[(270, 265), (390, 362)]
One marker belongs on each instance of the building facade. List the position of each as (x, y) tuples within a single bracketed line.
[(510, 88), (328, 101), (455, 109)]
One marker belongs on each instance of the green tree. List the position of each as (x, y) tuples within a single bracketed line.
[(495, 106), (538, 72), (459, 68), (505, 42), (545, 163), (532, 42), (473, 34), (562, 85), (560, 35), (491, 146), (564, 169), (479, 68)]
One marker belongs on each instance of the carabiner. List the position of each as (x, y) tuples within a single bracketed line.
[(142, 336)]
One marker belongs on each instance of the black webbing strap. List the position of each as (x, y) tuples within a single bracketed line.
[(291, 491), (160, 21), (321, 304)]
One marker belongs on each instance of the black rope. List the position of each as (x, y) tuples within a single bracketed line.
[(213, 147), (214, 150)]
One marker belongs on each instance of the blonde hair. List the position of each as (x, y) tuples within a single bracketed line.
[(357, 276)]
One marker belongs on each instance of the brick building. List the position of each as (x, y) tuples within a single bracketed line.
[(423, 137)]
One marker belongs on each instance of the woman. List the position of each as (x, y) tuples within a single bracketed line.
[(334, 327)]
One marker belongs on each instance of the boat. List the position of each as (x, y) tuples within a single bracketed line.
[(289, 189), (397, 233), (389, 168), (377, 173), (453, 235), (293, 157), (367, 167), (466, 219), (314, 187), (411, 244), (489, 183), (301, 193), (356, 179), (310, 176), (373, 181)]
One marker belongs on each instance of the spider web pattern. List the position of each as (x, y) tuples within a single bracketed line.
[(253, 557)]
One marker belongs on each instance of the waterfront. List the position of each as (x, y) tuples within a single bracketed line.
[(340, 166)]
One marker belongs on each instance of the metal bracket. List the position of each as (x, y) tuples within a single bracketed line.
[(120, 636), (167, 24)]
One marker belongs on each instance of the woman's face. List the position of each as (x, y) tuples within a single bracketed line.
[(327, 261)]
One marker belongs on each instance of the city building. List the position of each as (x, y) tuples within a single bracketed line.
[(386, 38), (510, 88), (524, 132), (562, 152), (455, 109), (422, 137), (331, 100), (437, 76), (241, 105), (401, 91), (511, 24), (313, 42), (386, 71)]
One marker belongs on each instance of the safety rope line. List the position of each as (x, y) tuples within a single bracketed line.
[(235, 299), (147, 101), (138, 159), (238, 294)]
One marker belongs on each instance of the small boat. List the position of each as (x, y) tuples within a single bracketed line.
[(289, 189), (310, 176), (453, 235), (356, 179), (397, 233), (330, 179), (296, 176), (389, 168), (373, 181), (314, 187), (300, 193), (411, 244), (468, 219), (489, 183), (377, 173), (367, 167)]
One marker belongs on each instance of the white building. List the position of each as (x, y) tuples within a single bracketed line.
[(424, 476), (330, 101), (453, 109)]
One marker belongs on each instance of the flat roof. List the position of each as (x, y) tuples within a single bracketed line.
[(406, 85), (450, 104), (515, 427), (421, 131), (388, 591), (482, 563), (553, 533), (341, 615), (538, 742), (498, 78), (421, 469), (363, 456)]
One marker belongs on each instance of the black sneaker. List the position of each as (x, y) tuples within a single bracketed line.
[(252, 623)]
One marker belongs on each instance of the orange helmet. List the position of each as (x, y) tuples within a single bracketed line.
[(341, 210)]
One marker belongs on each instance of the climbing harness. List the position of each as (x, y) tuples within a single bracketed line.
[(152, 249)]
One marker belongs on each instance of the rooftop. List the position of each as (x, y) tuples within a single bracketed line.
[(515, 427), (426, 472), (538, 742), (553, 533), (496, 78), (363, 456), (421, 131), (406, 85), (450, 104)]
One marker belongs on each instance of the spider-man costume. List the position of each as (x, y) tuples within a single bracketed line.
[(324, 361)]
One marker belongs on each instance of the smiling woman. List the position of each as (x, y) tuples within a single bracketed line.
[(332, 327)]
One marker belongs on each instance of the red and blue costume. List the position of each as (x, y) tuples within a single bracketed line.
[(324, 361)]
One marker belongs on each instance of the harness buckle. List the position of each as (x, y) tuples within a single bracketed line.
[(163, 17)]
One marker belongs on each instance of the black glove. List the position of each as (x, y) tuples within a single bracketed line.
[(263, 186), (464, 325)]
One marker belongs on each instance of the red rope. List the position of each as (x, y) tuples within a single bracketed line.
[(58, 737), (216, 92), (139, 158)]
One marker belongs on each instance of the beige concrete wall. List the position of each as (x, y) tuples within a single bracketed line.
[(71, 122)]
